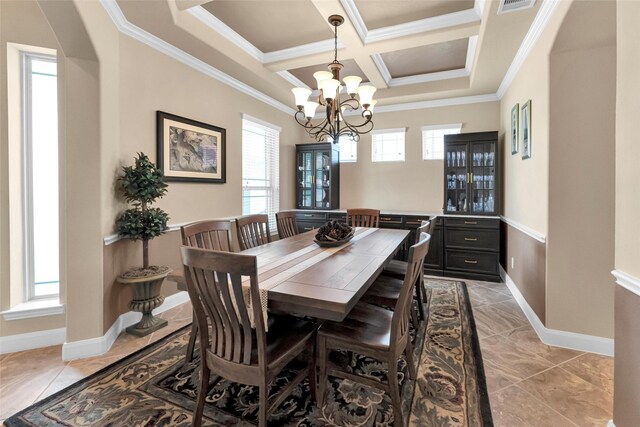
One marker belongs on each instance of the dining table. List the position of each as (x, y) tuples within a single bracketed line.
[(298, 276)]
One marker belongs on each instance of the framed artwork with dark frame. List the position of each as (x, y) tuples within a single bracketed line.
[(515, 128), (526, 130), (190, 151)]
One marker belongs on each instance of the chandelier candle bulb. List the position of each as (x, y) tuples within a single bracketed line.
[(322, 75), (366, 95), (352, 83), (329, 87), (310, 108), (302, 95)]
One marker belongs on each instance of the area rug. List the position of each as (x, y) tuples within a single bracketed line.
[(155, 387)]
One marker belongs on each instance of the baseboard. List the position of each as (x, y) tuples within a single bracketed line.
[(31, 340), (100, 345), (554, 337), (611, 424)]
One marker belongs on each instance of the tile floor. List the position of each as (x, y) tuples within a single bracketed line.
[(530, 384)]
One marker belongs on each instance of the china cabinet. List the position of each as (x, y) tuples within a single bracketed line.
[(317, 176)]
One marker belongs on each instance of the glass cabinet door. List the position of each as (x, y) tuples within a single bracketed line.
[(322, 178), (483, 177), (456, 178), (305, 179)]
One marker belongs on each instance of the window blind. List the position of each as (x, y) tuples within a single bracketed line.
[(260, 169), (387, 146), (348, 150), (433, 140)]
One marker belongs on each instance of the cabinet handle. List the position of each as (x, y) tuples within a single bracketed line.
[(385, 219), (467, 261), (468, 178), (471, 239), (308, 228), (471, 222), (308, 215)]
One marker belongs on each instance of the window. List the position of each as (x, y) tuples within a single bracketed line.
[(260, 169), (40, 175), (387, 145), (433, 140), (348, 150)]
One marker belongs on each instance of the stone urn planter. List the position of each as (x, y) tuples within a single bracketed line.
[(146, 285)]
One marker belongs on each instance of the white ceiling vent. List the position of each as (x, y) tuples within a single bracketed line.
[(513, 5)]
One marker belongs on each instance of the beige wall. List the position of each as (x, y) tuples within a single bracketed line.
[(626, 406), (414, 184)]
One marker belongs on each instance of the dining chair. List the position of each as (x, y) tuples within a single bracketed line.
[(209, 234), (386, 290), (286, 222), (252, 230), (229, 346), (363, 217), (373, 331)]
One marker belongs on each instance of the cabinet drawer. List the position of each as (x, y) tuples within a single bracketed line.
[(472, 239), (472, 222), (304, 226), (311, 216), (476, 262), (338, 217), (391, 219), (415, 221)]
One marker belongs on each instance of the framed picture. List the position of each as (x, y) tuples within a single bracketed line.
[(190, 151), (525, 129), (515, 128)]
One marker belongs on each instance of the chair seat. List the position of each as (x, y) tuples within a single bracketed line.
[(366, 324), (285, 332), (385, 290), (396, 267)]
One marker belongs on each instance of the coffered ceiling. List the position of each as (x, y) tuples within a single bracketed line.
[(411, 50)]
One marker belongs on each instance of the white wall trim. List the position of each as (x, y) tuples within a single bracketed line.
[(112, 238), (526, 230), (302, 50), (261, 122), (382, 67), (627, 281), (438, 127), (554, 337), (137, 33), (389, 130), (296, 82), (436, 103), (34, 308), (536, 29), (428, 77), (100, 345), (471, 53), (31, 340), (355, 18)]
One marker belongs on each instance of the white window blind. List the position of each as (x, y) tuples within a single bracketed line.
[(40, 139), (387, 145), (348, 150), (260, 169), (433, 140)]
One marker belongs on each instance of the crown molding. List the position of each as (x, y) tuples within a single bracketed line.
[(436, 103), (536, 29), (292, 79), (356, 19), (382, 67), (471, 54), (224, 30), (137, 33), (627, 281), (429, 77), (302, 50)]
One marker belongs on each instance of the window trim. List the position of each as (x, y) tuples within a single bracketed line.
[(436, 127), (26, 88), (403, 131)]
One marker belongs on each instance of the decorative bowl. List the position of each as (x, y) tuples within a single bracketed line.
[(333, 243)]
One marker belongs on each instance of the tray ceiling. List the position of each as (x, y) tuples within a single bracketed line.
[(433, 58), (384, 13)]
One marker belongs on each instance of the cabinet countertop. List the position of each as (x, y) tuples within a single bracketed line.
[(400, 212)]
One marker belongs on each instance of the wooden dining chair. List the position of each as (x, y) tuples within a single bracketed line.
[(286, 222), (252, 230), (363, 217), (386, 290), (212, 234), (230, 347), (373, 331)]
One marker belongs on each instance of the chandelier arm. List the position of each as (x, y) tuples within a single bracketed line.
[(361, 125), (347, 103)]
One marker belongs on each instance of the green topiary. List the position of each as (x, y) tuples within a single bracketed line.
[(141, 185)]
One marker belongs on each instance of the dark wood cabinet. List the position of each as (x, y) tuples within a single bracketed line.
[(472, 248), (434, 262), (471, 174), (317, 176)]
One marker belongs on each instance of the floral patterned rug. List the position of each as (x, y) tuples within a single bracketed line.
[(154, 387)]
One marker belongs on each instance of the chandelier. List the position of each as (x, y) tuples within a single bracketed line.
[(334, 125)]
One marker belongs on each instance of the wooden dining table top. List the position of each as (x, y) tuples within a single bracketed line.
[(303, 278)]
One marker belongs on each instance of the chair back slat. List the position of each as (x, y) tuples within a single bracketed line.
[(210, 234), (363, 217), (400, 321), (214, 281), (286, 222), (252, 230)]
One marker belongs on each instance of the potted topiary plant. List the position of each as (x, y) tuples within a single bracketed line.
[(141, 185)]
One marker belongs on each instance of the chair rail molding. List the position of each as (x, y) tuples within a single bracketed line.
[(627, 281), (112, 238), (526, 230), (554, 337), (100, 345)]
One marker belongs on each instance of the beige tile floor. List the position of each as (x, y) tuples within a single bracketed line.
[(530, 384)]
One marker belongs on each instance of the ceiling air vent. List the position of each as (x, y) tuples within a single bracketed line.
[(513, 5)]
